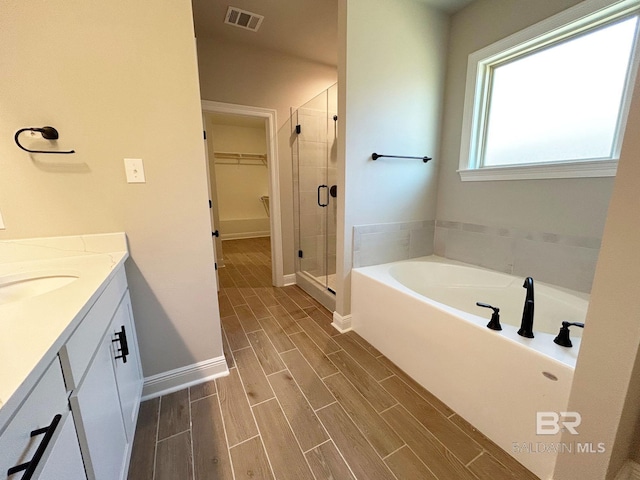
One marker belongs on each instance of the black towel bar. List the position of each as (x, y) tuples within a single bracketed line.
[(375, 156)]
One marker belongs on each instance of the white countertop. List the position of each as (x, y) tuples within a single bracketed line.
[(33, 329)]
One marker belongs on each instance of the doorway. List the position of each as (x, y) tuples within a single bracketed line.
[(241, 151)]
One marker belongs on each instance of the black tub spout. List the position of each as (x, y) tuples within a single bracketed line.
[(526, 326)]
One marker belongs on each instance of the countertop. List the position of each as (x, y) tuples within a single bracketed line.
[(33, 329)]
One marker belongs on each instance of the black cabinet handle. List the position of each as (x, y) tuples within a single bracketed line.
[(31, 465), (121, 337)]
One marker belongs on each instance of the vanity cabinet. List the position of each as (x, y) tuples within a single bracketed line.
[(106, 380), (70, 374), (65, 460), (126, 364), (96, 409), (41, 436)]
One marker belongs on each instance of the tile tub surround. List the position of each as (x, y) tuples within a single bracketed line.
[(390, 242), (565, 260)]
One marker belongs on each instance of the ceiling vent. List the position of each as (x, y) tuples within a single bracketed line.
[(243, 19)]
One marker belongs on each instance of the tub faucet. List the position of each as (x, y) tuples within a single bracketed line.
[(526, 326)]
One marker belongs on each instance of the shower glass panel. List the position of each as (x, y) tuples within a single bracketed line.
[(315, 190)]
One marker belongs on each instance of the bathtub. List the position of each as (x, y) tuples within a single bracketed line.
[(422, 315)]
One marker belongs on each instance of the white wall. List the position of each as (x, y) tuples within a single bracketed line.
[(235, 138), (560, 206), (234, 73), (606, 384), (390, 92), (117, 79)]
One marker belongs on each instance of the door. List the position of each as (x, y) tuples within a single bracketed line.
[(98, 417), (126, 363), (213, 203), (315, 201)]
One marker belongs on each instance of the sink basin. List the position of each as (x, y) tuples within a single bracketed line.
[(31, 284)]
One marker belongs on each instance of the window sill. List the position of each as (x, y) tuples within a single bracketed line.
[(593, 168)]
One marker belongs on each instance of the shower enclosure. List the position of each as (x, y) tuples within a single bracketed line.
[(314, 127)]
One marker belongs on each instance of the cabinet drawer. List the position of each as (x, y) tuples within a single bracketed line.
[(48, 399), (65, 460), (78, 351)]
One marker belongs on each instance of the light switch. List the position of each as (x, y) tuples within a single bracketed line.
[(134, 169), (1, 222)]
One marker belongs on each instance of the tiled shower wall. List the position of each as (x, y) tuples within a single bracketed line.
[(564, 260)]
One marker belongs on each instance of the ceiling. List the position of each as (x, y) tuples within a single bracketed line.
[(303, 28)]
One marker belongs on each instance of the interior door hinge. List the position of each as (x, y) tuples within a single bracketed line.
[(298, 129), (299, 253), (210, 205), (204, 132), (215, 265)]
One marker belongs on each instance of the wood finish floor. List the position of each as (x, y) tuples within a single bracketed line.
[(303, 402)]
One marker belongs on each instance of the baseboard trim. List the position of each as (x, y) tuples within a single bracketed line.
[(183, 377), (341, 323), (289, 279)]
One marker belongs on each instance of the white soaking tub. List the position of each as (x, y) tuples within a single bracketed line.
[(422, 315)]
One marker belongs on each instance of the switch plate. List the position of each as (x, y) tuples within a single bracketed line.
[(134, 170), (1, 222)]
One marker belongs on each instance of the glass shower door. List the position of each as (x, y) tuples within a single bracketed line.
[(316, 206)]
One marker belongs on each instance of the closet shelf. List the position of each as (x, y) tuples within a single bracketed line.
[(237, 158)]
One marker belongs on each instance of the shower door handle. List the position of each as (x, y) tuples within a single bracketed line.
[(320, 204)]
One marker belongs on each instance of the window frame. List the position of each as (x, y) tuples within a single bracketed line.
[(583, 17)]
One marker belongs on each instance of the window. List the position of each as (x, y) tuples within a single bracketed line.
[(551, 101)]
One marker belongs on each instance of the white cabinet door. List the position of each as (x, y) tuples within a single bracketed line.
[(96, 410), (65, 460), (127, 367), (33, 433)]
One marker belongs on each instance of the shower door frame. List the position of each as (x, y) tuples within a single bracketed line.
[(275, 219), (315, 285)]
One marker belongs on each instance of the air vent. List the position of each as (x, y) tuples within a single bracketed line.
[(243, 19)]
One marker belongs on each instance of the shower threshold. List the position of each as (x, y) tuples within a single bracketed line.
[(324, 294)]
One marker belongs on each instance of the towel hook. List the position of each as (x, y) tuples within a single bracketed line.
[(48, 133)]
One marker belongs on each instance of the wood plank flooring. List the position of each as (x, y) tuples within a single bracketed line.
[(303, 401)]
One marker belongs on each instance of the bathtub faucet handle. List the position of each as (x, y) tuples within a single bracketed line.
[(563, 339), (494, 323)]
